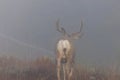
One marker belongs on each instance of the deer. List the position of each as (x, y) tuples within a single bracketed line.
[(66, 52)]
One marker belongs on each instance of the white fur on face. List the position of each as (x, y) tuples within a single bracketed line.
[(63, 44)]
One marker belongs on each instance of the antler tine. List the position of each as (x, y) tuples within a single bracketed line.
[(81, 27), (60, 29), (78, 34)]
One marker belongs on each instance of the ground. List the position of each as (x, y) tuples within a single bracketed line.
[(44, 68)]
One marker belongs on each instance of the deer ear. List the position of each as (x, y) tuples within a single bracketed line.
[(78, 36)]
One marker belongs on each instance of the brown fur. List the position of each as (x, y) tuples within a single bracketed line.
[(68, 66)]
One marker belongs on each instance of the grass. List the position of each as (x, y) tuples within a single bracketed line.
[(45, 69)]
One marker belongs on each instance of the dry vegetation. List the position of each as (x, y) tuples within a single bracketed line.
[(45, 69)]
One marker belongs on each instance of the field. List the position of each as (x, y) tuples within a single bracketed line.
[(44, 68)]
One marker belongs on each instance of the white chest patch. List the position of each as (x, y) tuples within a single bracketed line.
[(63, 44)]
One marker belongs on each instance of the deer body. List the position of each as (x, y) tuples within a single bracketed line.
[(65, 57), (65, 53)]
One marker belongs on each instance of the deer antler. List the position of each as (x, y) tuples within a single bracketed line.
[(78, 34), (60, 29)]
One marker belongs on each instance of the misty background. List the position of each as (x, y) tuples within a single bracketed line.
[(28, 31)]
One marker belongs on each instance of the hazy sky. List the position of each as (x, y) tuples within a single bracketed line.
[(27, 28)]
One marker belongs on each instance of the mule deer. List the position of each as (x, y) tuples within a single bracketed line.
[(66, 52)]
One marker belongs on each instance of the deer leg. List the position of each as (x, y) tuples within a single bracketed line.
[(70, 74), (58, 69), (69, 71), (64, 72)]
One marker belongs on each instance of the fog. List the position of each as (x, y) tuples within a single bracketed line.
[(27, 28)]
